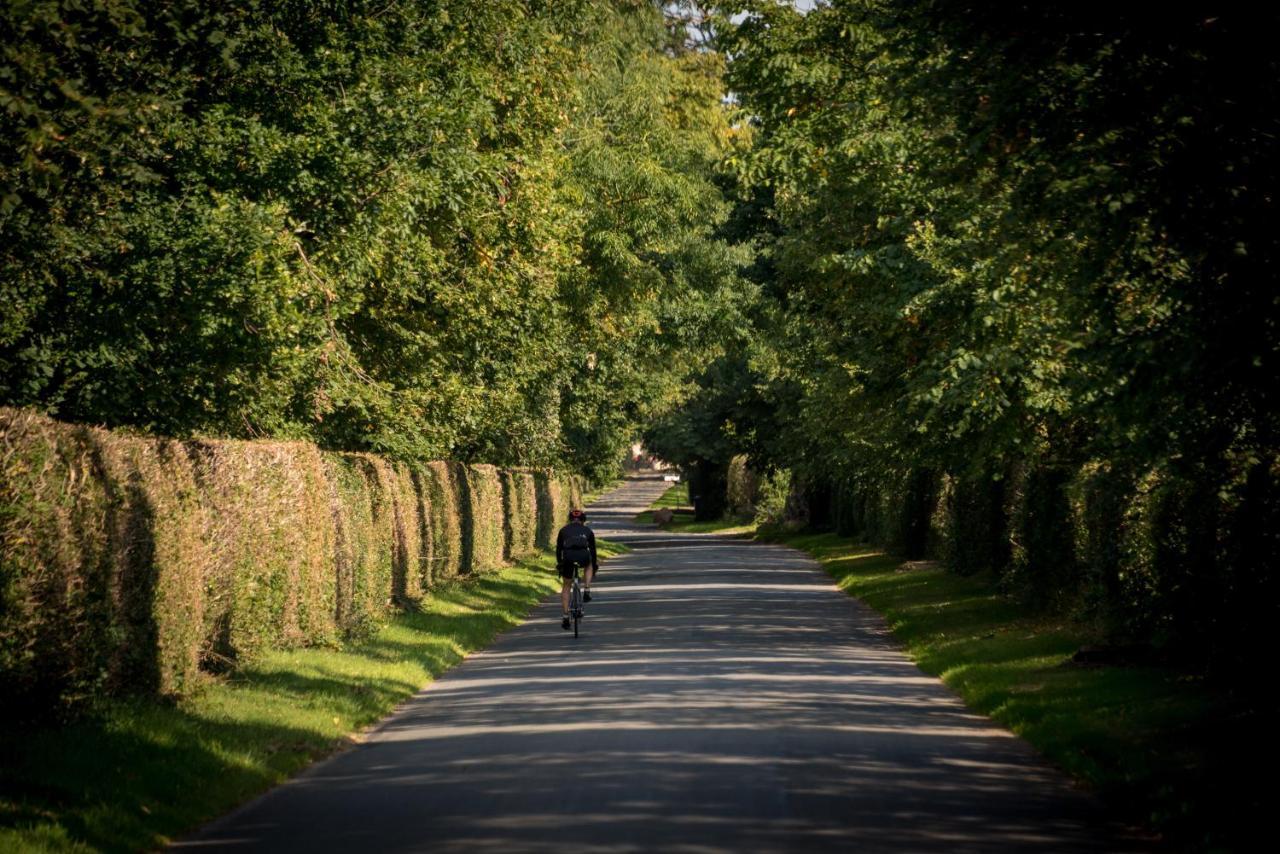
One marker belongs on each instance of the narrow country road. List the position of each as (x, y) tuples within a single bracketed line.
[(724, 696)]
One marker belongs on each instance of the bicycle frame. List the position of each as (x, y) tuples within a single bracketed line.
[(575, 597)]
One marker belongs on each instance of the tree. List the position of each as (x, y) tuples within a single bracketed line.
[(481, 232), (1019, 244)]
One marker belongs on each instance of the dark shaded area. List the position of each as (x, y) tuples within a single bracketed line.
[(708, 484), (978, 538)]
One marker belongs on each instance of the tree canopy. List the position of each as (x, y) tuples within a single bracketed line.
[(1013, 264), (434, 229), (1003, 264)]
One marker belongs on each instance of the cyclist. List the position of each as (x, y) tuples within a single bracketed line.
[(575, 545)]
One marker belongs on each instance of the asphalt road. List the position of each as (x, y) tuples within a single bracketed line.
[(723, 696)]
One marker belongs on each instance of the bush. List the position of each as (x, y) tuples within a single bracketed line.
[(1099, 495), (359, 565), (772, 504), (708, 489), (129, 564), (59, 621), (743, 488), (388, 559), (270, 580), (482, 528), (916, 503), (420, 482), (408, 542), (1043, 566), (574, 486), (447, 552), (552, 508), (162, 554), (520, 510), (1178, 557)]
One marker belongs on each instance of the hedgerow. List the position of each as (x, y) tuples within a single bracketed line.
[(133, 565)]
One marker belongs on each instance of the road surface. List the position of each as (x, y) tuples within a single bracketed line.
[(724, 696)]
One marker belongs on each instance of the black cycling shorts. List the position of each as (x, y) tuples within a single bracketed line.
[(566, 568)]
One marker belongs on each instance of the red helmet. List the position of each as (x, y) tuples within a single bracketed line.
[(577, 515)]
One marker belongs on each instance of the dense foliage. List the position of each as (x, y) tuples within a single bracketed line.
[(435, 229), (1018, 297), (137, 565), (996, 284)]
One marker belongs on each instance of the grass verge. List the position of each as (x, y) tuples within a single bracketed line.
[(134, 775), (677, 500), (1159, 746)]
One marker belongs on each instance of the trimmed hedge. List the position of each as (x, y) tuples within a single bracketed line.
[(482, 521), (446, 520), (576, 486), (132, 564), (100, 540), (1163, 557), (361, 558), (520, 509), (553, 507), (270, 540)]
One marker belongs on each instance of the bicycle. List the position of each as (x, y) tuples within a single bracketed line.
[(575, 597)]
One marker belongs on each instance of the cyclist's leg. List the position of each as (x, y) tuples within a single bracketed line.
[(566, 579)]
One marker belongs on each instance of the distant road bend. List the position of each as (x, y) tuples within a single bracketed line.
[(724, 696)]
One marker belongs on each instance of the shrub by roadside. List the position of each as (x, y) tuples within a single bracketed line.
[(131, 564)]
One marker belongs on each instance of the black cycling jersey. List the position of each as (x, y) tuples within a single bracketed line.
[(576, 543)]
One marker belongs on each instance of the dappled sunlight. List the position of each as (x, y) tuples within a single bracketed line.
[(699, 590), (539, 729), (723, 695)]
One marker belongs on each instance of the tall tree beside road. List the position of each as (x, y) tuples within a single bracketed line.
[(406, 227), (658, 291), (1017, 255)]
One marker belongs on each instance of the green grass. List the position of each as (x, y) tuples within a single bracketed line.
[(677, 499), (728, 527), (137, 774), (1161, 747)]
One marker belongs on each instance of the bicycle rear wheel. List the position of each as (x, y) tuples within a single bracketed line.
[(575, 604)]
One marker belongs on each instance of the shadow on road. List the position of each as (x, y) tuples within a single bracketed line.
[(724, 697)]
